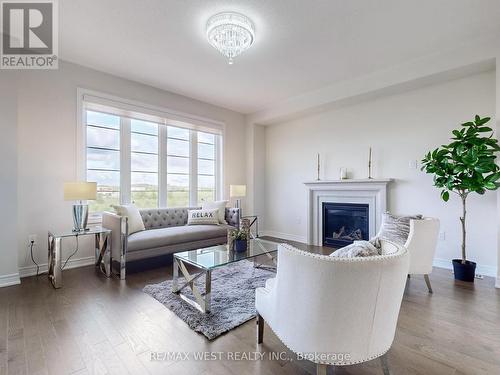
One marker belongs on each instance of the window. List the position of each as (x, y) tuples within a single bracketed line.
[(149, 163), (206, 167), (103, 158), (178, 166), (144, 163)]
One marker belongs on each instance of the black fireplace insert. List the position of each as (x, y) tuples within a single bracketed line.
[(344, 223)]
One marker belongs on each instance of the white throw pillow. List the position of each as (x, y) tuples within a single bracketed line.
[(135, 223), (207, 217), (396, 228), (219, 205)]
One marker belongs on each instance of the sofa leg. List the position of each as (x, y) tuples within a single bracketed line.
[(385, 364), (321, 369), (260, 328), (428, 282)]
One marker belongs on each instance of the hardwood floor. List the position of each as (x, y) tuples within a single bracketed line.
[(95, 325)]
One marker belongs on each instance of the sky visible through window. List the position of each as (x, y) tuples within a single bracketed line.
[(104, 155)]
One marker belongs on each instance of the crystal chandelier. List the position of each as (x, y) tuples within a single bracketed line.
[(230, 33)]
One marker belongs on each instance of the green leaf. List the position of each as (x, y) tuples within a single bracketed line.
[(445, 195), (484, 121), (484, 129), (490, 186)]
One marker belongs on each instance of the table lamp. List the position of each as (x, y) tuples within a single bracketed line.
[(80, 191), (238, 191)]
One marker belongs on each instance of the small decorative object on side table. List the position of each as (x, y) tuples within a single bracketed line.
[(102, 252)]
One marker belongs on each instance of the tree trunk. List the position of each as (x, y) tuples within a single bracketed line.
[(464, 232)]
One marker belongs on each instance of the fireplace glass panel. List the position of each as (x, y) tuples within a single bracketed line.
[(344, 223)]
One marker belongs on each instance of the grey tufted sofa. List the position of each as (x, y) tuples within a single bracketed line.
[(166, 233)]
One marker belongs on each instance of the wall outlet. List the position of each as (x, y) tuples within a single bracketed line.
[(413, 164), (32, 238), (442, 235)]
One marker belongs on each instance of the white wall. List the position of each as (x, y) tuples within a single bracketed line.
[(497, 71), (400, 129), (47, 118), (8, 182)]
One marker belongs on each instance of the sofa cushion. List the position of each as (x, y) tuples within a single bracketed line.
[(153, 238), (203, 217), (135, 222), (218, 205)]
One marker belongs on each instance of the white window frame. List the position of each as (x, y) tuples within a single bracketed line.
[(162, 116)]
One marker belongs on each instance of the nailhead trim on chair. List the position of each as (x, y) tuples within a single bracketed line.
[(380, 258)]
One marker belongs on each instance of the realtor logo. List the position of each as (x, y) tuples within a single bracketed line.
[(29, 34)]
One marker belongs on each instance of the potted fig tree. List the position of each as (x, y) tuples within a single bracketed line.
[(466, 165)]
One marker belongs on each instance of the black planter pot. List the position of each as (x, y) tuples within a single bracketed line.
[(464, 271), (240, 246)]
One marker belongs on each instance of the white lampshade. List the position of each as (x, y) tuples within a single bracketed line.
[(237, 191), (80, 191)]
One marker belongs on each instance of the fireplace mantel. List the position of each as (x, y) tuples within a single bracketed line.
[(370, 191), (350, 181)]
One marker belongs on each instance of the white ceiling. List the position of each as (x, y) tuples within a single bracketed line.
[(301, 45)]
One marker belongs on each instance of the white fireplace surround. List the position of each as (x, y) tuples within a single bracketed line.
[(369, 191)]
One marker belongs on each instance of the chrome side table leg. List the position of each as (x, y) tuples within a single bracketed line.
[(103, 252), (55, 272)]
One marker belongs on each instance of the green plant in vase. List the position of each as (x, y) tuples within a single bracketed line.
[(240, 238), (466, 165)]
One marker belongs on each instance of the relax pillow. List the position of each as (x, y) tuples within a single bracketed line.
[(219, 205), (207, 217), (135, 223), (358, 249), (396, 228)]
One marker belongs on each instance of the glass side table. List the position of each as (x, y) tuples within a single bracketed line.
[(102, 251)]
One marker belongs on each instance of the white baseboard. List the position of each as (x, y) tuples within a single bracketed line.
[(480, 269), (72, 263), (8, 280), (285, 236)]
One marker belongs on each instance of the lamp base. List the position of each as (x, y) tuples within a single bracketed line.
[(80, 217), (238, 205)]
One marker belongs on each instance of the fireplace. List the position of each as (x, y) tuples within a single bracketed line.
[(344, 223)]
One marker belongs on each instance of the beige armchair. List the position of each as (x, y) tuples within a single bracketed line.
[(421, 245)]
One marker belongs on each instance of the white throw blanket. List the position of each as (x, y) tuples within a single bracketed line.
[(359, 249)]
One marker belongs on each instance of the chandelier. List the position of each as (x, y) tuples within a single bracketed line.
[(230, 33)]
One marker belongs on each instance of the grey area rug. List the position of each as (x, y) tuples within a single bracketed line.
[(233, 298)]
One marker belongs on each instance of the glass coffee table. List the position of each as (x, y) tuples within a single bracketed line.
[(207, 259)]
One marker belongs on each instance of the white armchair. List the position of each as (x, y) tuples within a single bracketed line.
[(421, 245), (345, 310)]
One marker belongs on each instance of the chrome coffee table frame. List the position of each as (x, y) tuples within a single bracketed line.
[(202, 299)]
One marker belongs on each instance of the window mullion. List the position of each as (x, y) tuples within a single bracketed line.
[(193, 168), (218, 168), (125, 174), (162, 166)]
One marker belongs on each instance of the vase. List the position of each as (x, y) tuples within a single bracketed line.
[(240, 246)]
